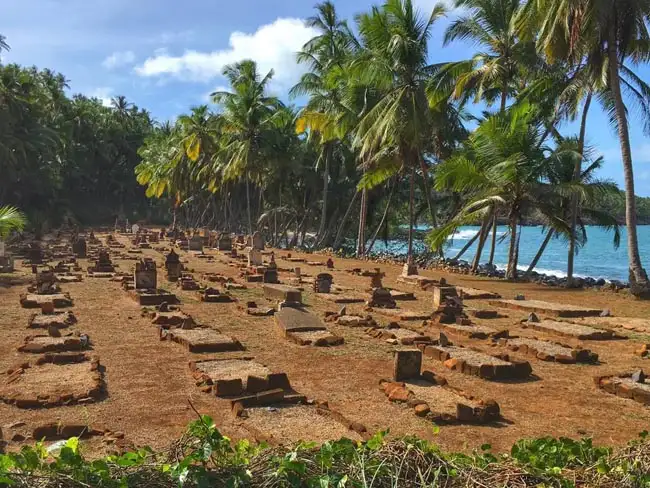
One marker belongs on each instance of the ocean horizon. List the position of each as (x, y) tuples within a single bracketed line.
[(598, 258)]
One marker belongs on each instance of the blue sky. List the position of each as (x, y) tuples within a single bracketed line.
[(167, 55)]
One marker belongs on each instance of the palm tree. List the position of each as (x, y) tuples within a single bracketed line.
[(605, 34), (11, 219), (326, 54), (502, 165), (492, 74), (394, 62), (579, 198), (245, 124)]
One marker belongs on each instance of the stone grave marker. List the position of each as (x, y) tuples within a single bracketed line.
[(254, 257), (195, 243), (146, 277), (173, 266), (257, 241), (224, 243), (323, 283), (407, 365), (79, 247)]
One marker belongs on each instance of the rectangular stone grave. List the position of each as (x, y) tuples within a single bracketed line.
[(625, 386), (548, 308), (204, 339), (550, 351), (628, 323), (355, 320), (284, 424), (567, 329), (481, 313), (304, 328), (467, 293), (402, 336), (476, 363), (440, 403), (341, 298), (282, 293), (402, 295), (31, 300), (237, 376), (468, 331), (401, 314), (40, 344), (60, 320), (53, 380), (420, 282), (407, 364), (153, 297)]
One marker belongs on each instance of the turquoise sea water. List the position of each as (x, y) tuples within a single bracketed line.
[(597, 259)]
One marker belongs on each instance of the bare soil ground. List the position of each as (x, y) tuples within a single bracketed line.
[(149, 382)]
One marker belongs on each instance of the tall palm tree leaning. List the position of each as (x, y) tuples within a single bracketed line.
[(246, 124), (606, 33), (490, 75), (394, 62)]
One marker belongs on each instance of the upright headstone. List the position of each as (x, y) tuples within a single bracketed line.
[(35, 253), (257, 241), (225, 242), (323, 283), (145, 275), (173, 266), (135, 228), (79, 247), (254, 257), (407, 365), (195, 243)]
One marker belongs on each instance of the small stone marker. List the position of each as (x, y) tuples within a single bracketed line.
[(224, 243), (520, 297), (409, 269), (135, 228), (330, 263), (444, 340), (441, 293), (407, 365), (532, 317), (145, 275), (606, 313)]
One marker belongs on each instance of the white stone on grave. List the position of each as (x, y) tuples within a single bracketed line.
[(254, 257), (135, 228)]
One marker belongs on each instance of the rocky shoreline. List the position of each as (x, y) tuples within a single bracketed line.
[(459, 266)]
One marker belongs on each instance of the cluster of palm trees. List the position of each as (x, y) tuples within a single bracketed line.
[(382, 131)]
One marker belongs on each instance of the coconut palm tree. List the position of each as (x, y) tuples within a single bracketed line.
[(502, 165), (324, 115), (245, 124), (394, 61), (604, 34)]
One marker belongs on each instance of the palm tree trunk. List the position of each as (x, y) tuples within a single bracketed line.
[(493, 245), (326, 178), (541, 250), (340, 232), (427, 192), (383, 219), (409, 253), (467, 246), (481, 242), (574, 198), (511, 272), (248, 207), (639, 285), (361, 236)]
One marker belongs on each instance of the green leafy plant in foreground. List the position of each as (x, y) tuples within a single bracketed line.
[(204, 457)]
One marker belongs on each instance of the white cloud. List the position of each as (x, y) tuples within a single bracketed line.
[(104, 94), (119, 58), (640, 154), (272, 46)]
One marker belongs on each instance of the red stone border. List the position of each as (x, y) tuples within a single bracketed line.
[(623, 390)]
